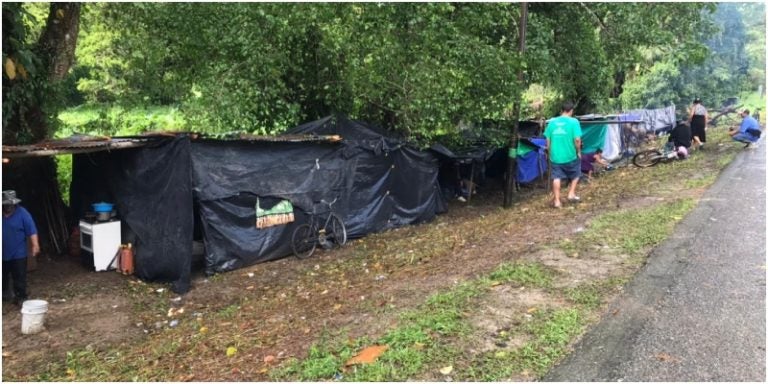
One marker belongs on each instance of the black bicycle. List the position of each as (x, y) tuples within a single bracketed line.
[(327, 233)]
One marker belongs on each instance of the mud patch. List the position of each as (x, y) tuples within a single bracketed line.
[(503, 310), (101, 320)]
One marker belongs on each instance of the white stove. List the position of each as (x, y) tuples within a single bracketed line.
[(102, 239)]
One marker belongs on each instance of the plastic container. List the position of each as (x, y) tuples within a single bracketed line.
[(102, 207), (33, 316), (125, 264)]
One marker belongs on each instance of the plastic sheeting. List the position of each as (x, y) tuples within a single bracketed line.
[(531, 159), (655, 120), (161, 192), (151, 190), (612, 145), (593, 137), (380, 182)]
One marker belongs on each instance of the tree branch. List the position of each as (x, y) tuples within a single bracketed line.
[(594, 15)]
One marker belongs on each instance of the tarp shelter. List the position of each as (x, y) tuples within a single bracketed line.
[(654, 120), (480, 159), (531, 159), (166, 192)]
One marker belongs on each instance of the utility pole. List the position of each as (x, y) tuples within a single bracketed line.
[(512, 153)]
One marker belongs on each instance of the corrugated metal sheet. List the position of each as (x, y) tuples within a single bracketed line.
[(85, 144), (73, 145)]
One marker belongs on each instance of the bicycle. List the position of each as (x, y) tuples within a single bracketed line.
[(653, 156), (328, 233)]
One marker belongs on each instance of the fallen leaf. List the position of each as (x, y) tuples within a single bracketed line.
[(203, 330), (337, 307), (263, 370), (446, 370), (663, 356), (532, 310), (367, 355), (231, 351), (249, 287), (269, 359)]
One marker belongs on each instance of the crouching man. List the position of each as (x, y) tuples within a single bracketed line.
[(748, 132)]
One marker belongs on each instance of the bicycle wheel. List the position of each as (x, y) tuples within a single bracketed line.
[(647, 158), (304, 241), (336, 231)]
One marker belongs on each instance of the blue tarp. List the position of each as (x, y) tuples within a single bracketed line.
[(533, 162)]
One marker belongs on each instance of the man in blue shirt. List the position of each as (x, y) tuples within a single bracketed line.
[(749, 130), (19, 241)]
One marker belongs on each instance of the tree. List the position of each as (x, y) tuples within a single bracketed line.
[(31, 75)]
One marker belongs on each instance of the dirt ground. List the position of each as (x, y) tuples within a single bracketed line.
[(278, 309)]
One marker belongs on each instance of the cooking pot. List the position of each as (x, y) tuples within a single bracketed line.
[(105, 216), (102, 207)]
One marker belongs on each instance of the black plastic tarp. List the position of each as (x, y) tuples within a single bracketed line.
[(161, 190), (151, 189), (380, 183), (230, 176)]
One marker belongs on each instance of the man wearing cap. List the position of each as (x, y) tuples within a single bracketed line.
[(19, 242)]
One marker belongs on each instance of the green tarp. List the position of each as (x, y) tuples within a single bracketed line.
[(593, 137)]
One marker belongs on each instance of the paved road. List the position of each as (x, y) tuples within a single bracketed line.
[(696, 311)]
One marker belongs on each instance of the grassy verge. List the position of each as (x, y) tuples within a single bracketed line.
[(416, 341), (630, 231)]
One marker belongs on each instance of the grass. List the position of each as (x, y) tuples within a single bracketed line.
[(753, 101), (416, 341), (115, 120), (590, 295), (549, 331)]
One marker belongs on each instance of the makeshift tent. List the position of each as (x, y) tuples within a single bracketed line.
[(160, 192), (152, 191), (481, 160)]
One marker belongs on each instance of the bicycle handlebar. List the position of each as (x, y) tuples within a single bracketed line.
[(329, 203)]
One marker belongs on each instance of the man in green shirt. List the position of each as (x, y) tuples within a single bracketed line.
[(563, 135)]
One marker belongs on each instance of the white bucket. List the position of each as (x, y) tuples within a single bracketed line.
[(33, 316)]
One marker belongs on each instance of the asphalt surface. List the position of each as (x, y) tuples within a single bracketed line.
[(696, 311)]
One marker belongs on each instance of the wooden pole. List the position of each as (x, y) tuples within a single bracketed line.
[(512, 152)]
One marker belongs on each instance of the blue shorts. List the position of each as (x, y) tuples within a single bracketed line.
[(745, 138), (569, 171)]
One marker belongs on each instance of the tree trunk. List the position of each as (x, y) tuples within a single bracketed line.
[(512, 151), (34, 179), (58, 41)]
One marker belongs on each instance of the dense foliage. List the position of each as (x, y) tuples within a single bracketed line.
[(423, 69)]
